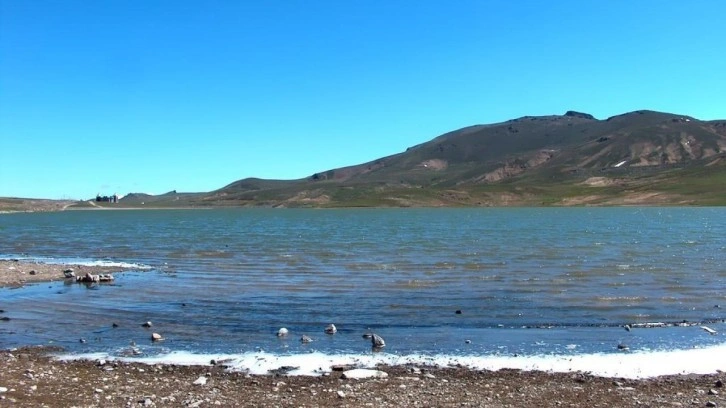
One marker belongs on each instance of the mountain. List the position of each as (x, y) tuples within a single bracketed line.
[(639, 158)]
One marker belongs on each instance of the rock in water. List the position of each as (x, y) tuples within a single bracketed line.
[(156, 337), (305, 339), (147, 324), (105, 278), (87, 278), (68, 273), (708, 330), (331, 329), (377, 341), (282, 332)]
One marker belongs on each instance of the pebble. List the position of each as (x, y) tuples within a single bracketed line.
[(3, 389), (341, 394), (202, 380), (711, 404), (341, 367)]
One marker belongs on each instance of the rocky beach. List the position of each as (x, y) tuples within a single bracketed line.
[(30, 378)]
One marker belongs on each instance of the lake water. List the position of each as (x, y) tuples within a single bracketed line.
[(544, 288)]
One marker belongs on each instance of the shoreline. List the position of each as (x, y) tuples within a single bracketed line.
[(17, 273), (31, 377)]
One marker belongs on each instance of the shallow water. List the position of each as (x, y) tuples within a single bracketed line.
[(528, 282)]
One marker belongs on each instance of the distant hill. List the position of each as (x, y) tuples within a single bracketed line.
[(637, 158)]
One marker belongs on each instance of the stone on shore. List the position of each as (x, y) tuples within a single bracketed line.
[(363, 373), (202, 380), (90, 278)]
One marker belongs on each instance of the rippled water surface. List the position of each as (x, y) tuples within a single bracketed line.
[(527, 281)]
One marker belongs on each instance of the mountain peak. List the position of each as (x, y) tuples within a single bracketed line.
[(581, 115)]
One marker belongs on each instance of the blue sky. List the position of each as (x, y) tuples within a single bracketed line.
[(151, 96)]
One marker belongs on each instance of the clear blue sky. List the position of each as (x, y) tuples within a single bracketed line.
[(151, 96)]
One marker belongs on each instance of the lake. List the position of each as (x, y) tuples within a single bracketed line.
[(542, 288)]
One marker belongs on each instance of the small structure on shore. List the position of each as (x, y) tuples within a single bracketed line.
[(107, 199)]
